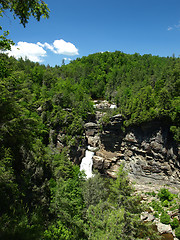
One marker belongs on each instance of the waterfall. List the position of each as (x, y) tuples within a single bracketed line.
[(87, 163)]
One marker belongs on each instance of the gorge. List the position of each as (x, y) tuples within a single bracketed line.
[(147, 151), (51, 124)]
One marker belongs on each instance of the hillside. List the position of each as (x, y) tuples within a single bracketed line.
[(143, 87), (43, 111)]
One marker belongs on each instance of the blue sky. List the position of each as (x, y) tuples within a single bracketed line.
[(82, 27)]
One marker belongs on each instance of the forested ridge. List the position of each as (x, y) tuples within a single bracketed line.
[(44, 195), (143, 87)]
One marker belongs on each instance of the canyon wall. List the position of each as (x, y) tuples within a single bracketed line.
[(147, 150)]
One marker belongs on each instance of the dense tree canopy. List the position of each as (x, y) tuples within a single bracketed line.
[(144, 87), (44, 196)]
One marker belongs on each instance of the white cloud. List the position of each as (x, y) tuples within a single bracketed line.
[(61, 47), (67, 59), (33, 52), (176, 26), (170, 28), (46, 45), (36, 52), (65, 48)]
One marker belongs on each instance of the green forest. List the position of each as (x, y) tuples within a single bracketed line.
[(43, 194), (143, 87)]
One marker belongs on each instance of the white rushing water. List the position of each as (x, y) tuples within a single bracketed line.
[(87, 164)]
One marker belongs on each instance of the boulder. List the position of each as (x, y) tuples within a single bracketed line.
[(93, 149), (98, 162), (117, 118), (93, 141), (112, 172), (91, 125), (91, 132), (130, 137), (107, 163), (103, 105), (145, 216), (163, 228), (157, 147)]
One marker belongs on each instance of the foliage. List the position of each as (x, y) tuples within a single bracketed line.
[(177, 232), (144, 87), (165, 218), (43, 111), (174, 223), (118, 216), (94, 190), (156, 215), (5, 44), (22, 10), (104, 222), (151, 193), (57, 231), (164, 195), (157, 206), (165, 203), (67, 203), (168, 202), (121, 190)]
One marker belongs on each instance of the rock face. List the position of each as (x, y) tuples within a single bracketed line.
[(91, 132), (147, 151), (76, 151), (149, 154), (162, 228)]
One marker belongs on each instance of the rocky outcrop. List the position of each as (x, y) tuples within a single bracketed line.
[(164, 230), (147, 151), (57, 140), (104, 105), (149, 154), (91, 133)]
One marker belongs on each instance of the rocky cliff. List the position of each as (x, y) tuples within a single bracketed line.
[(147, 151)]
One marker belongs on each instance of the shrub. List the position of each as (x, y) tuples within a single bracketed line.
[(165, 203), (174, 205), (156, 215), (174, 223), (57, 231), (164, 194), (165, 218), (177, 232), (156, 206), (151, 193)]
